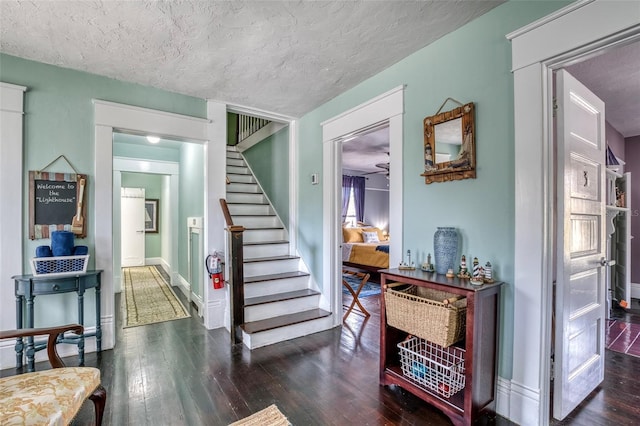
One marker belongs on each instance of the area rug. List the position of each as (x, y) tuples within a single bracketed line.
[(369, 289), (149, 298), (623, 337), (270, 416)]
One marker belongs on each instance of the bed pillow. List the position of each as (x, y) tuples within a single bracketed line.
[(352, 235), (370, 237), (376, 230)]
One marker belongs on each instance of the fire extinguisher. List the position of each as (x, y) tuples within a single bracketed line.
[(214, 267)]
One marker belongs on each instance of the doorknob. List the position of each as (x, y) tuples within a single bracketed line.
[(140, 232), (605, 262)]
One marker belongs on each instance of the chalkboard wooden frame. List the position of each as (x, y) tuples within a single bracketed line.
[(52, 195)]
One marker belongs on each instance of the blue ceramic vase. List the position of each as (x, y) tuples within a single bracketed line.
[(445, 248)]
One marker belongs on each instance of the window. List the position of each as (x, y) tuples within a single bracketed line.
[(351, 218)]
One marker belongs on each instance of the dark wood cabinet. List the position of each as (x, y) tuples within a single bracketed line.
[(480, 345)]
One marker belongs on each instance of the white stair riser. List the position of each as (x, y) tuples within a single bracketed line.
[(283, 307), (269, 267), (265, 250), (239, 197), (260, 235), (264, 288), (250, 209), (244, 187), (269, 337), (238, 170), (236, 162), (241, 178), (234, 155), (257, 221)]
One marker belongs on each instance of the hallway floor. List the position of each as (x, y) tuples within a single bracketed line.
[(179, 373)]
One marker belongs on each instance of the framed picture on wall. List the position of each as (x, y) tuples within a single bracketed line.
[(151, 216)]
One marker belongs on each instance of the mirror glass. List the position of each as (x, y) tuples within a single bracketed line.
[(448, 138), (449, 145)]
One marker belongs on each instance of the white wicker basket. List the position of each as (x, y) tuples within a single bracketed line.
[(433, 367), (59, 265)]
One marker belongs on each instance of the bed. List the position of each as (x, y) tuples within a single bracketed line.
[(365, 248)]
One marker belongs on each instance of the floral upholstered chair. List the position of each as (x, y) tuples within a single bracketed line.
[(49, 397)]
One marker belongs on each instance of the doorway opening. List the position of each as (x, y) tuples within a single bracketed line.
[(386, 108), (171, 175), (607, 74)]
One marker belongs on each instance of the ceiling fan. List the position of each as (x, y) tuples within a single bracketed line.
[(383, 166)]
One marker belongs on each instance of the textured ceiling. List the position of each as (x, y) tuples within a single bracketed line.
[(282, 57), (614, 77)]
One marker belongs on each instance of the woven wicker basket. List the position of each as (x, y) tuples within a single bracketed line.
[(421, 311)]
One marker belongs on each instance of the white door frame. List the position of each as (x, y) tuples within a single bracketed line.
[(135, 165), (387, 107), (110, 117), (11, 170), (567, 35)]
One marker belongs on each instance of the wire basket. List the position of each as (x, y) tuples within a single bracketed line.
[(434, 315), (59, 265), (433, 367)]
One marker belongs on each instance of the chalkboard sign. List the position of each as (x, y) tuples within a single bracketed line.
[(56, 203)]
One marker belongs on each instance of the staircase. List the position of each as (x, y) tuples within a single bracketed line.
[(279, 301)]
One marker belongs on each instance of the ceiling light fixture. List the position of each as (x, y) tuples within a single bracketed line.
[(153, 139)]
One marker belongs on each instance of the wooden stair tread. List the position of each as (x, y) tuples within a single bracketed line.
[(284, 320), (247, 204), (252, 215), (257, 243), (267, 259), (253, 228), (271, 277), (277, 297)]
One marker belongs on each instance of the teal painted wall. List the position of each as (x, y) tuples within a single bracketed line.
[(471, 64), (269, 161), (59, 120), (153, 189), (145, 152), (191, 202)]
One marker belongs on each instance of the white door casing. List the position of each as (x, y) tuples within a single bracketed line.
[(554, 40), (132, 221), (581, 281), (388, 107)]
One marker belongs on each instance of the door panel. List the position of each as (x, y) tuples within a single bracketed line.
[(132, 218), (580, 293)]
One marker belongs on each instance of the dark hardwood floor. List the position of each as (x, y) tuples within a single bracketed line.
[(179, 373)]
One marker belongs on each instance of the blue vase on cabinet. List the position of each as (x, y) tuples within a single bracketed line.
[(445, 248)]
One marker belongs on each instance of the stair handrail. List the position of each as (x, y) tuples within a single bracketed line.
[(236, 278)]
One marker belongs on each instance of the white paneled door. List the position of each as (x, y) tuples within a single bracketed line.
[(581, 286), (132, 219)]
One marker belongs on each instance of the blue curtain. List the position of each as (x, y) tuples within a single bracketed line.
[(358, 196), (346, 190)]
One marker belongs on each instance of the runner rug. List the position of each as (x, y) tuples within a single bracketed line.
[(623, 337), (149, 298)]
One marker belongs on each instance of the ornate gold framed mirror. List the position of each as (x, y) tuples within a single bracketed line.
[(449, 145)]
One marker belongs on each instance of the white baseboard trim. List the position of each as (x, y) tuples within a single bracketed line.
[(155, 261), (183, 285), (503, 392), (524, 405), (8, 352), (635, 290), (218, 310)]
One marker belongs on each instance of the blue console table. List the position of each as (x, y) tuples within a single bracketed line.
[(30, 286)]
